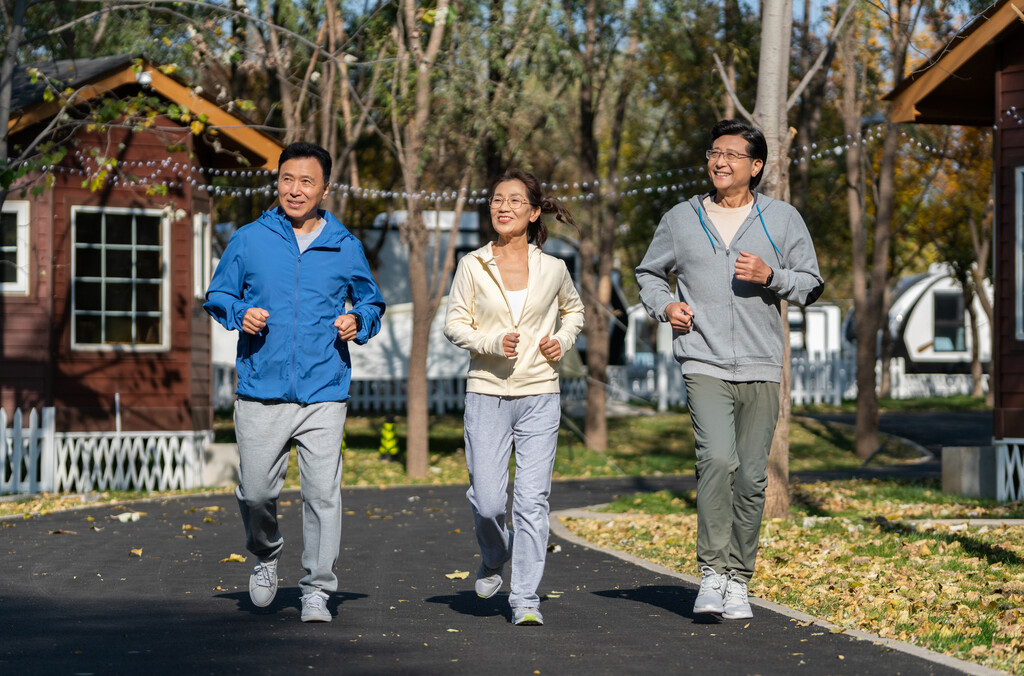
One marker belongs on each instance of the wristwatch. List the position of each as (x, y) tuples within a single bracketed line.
[(771, 276)]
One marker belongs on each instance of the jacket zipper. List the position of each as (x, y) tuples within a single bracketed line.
[(295, 321), (508, 306)]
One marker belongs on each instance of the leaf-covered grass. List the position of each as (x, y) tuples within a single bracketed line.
[(867, 555)]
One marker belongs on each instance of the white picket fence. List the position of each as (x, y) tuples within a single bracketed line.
[(34, 457)]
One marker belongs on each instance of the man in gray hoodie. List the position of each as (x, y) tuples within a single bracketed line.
[(735, 255)]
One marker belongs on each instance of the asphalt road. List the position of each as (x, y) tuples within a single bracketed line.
[(83, 593)]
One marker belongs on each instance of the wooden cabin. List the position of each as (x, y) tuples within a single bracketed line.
[(978, 80), (101, 306)]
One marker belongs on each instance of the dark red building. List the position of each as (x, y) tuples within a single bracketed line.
[(978, 80), (101, 305)]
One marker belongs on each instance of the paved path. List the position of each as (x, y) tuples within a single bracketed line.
[(931, 430), (75, 599)]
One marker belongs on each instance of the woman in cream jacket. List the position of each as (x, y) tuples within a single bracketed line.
[(516, 310)]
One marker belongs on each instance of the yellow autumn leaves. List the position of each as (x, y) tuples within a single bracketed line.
[(886, 566)]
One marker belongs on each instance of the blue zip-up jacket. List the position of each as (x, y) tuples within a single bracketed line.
[(298, 357), (737, 326)]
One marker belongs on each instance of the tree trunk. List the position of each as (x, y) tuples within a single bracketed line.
[(14, 36), (770, 115), (417, 393)]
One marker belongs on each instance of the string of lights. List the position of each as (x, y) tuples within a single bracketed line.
[(130, 173)]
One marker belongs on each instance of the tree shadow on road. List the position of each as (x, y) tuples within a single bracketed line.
[(673, 598)]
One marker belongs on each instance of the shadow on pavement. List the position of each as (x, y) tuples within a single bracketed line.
[(468, 603), (287, 598), (675, 599)]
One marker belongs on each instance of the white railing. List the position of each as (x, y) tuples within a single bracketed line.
[(27, 453), (38, 458), (1009, 469)]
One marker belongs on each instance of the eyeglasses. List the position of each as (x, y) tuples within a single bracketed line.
[(729, 155), (514, 202)]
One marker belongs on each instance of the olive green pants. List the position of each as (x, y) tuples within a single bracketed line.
[(733, 425)]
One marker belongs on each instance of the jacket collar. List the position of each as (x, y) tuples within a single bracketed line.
[(486, 253), (332, 236)]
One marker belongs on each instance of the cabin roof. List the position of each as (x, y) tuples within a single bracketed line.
[(98, 76), (957, 84)]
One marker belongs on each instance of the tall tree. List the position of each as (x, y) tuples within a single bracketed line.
[(593, 30), (771, 115)]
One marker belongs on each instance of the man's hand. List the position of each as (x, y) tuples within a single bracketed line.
[(509, 344), (680, 316), (348, 326), (550, 348), (255, 320), (750, 268)]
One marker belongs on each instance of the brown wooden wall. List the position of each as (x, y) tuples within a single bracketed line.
[(168, 390), (25, 336), (1008, 372)]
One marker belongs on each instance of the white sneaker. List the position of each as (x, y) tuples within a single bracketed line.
[(487, 585), (711, 597), (263, 583), (737, 607), (314, 607), (527, 617)]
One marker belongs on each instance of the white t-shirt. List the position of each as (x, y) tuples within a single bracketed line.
[(516, 301), (727, 221)]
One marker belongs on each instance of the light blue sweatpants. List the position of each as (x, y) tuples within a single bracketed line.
[(264, 432), (492, 424)]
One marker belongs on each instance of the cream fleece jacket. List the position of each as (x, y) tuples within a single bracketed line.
[(479, 317)]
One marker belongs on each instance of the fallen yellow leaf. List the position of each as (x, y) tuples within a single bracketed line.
[(234, 558), (458, 575), (136, 552)]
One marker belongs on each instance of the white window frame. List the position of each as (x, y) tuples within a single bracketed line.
[(1019, 246), (165, 291), (19, 287), (202, 253)]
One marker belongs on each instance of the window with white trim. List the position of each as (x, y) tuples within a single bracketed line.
[(201, 254), (14, 247), (120, 271)]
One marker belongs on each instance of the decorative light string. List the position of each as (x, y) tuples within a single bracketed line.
[(188, 175)]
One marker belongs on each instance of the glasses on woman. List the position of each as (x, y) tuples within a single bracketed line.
[(514, 202), (729, 155)]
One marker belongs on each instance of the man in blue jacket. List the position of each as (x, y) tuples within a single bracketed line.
[(734, 254), (297, 287)]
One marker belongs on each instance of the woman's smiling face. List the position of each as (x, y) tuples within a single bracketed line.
[(508, 222)]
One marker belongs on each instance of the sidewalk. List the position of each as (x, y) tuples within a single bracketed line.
[(82, 592)]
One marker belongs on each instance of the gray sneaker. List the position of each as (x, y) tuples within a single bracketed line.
[(711, 597), (487, 585), (527, 617), (263, 583), (737, 607), (314, 607)]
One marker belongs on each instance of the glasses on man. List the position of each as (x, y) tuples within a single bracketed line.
[(514, 202), (729, 155)]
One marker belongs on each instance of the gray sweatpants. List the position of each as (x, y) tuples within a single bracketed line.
[(492, 424), (264, 432), (733, 425)]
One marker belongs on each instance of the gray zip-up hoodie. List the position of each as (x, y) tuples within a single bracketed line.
[(737, 326)]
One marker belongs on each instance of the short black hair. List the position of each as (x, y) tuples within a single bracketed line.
[(302, 149), (757, 147)]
